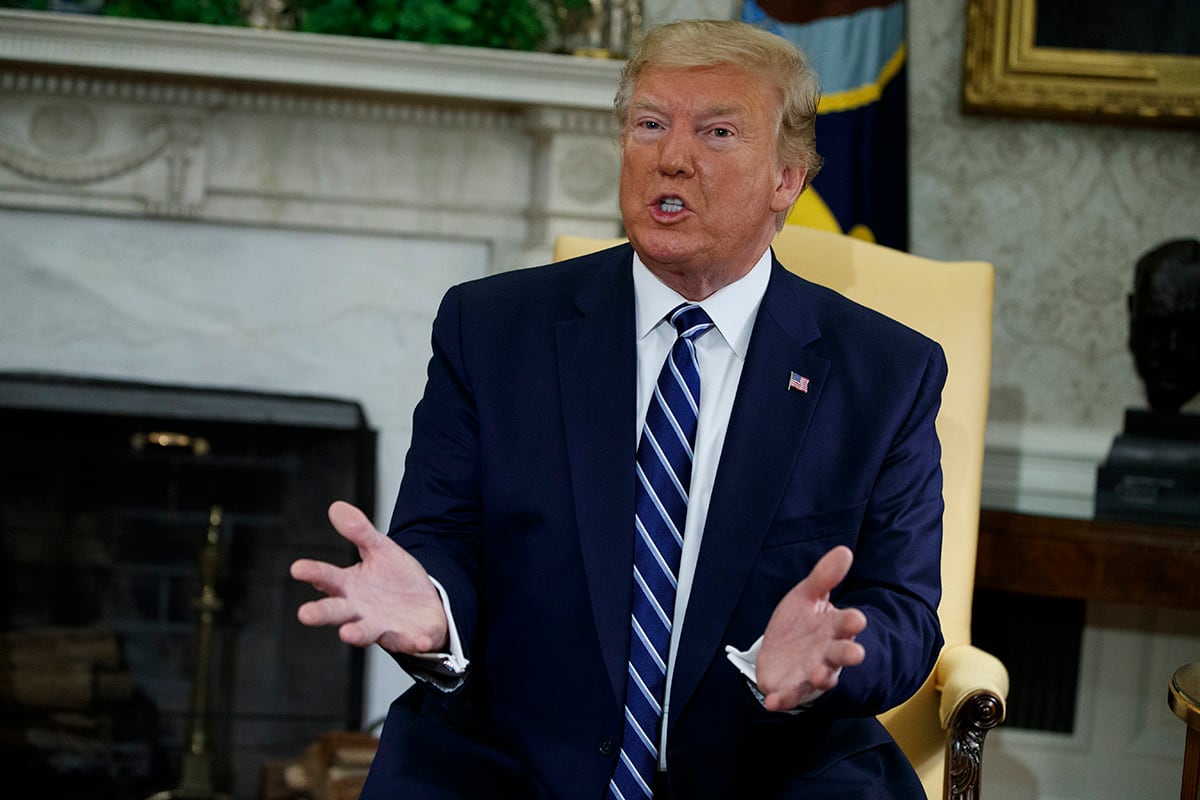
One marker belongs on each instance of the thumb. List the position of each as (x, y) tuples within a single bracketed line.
[(352, 524), (831, 570)]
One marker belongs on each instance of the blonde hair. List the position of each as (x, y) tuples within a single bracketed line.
[(707, 43)]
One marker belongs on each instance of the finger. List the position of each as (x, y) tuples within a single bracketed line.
[(849, 622), (845, 654), (355, 633), (362, 634), (829, 571), (791, 699), (326, 611), (323, 577), (781, 701), (352, 524)]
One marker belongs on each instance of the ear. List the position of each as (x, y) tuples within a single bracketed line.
[(791, 183)]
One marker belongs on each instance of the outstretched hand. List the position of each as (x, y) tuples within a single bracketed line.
[(808, 639), (386, 598)]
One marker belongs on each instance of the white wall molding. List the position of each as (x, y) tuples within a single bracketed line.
[(1042, 469)]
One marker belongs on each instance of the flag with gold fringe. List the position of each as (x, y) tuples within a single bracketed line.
[(859, 50)]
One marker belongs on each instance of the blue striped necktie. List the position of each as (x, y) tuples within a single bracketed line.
[(664, 475)]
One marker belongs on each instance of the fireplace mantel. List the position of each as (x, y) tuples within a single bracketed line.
[(281, 59), (227, 125)]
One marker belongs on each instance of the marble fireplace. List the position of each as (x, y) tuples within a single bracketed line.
[(258, 211)]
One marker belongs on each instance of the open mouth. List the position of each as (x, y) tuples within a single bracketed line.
[(670, 205)]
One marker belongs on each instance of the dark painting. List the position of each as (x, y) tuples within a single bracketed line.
[(1160, 27)]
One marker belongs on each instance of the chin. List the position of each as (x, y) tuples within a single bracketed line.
[(662, 245)]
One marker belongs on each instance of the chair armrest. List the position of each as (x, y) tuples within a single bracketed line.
[(972, 686), (965, 672)]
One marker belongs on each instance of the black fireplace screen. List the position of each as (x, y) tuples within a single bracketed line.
[(148, 636)]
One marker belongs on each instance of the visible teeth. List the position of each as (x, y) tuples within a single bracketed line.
[(671, 204)]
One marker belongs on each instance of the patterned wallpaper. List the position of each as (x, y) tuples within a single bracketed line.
[(1062, 209)]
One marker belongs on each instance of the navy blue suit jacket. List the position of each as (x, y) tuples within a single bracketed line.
[(518, 497)]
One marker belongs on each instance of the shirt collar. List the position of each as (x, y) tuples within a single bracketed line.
[(732, 308)]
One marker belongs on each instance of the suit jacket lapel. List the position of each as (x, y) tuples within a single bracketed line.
[(598, 379), (765, 434)]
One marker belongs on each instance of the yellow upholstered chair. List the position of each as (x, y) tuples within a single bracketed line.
[(942, 727)]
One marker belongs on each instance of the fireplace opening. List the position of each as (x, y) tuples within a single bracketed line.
[(148, 638)]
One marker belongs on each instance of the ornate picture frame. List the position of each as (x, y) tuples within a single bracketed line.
[(1006, 71)]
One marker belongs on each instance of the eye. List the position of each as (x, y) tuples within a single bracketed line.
[(650, 124), (722, 133)]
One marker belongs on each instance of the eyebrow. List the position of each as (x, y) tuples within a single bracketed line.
[(726, 110), (642, 104)]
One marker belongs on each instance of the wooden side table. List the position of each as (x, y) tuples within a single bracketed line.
[(1116, 562), (1184, 699)]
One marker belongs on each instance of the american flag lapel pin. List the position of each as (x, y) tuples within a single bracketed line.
[(798, 382)]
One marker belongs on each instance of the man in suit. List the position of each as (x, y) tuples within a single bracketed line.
[(802, 600)]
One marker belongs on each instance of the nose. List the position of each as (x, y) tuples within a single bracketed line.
[(675, 155)]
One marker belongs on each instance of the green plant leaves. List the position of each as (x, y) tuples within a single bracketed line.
[(509, 24), (514, 24), (211, 12)]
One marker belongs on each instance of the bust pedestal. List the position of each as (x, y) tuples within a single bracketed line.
[(1152, 473)]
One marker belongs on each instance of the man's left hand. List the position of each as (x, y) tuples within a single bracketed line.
[(809, 640)]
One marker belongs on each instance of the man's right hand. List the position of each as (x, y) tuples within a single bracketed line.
[(387, 598)]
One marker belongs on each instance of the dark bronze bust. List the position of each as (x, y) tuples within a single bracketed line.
[(1164, 323)]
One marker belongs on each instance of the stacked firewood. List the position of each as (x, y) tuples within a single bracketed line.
[(331, 768), (62, 669), (70, 713)]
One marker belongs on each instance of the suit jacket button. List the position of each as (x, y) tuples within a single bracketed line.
[(605, 746)]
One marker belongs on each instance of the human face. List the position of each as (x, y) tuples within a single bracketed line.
[(701, 185), (1164, 335)]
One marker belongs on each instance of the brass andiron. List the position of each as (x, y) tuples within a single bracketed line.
[(196, 779)]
